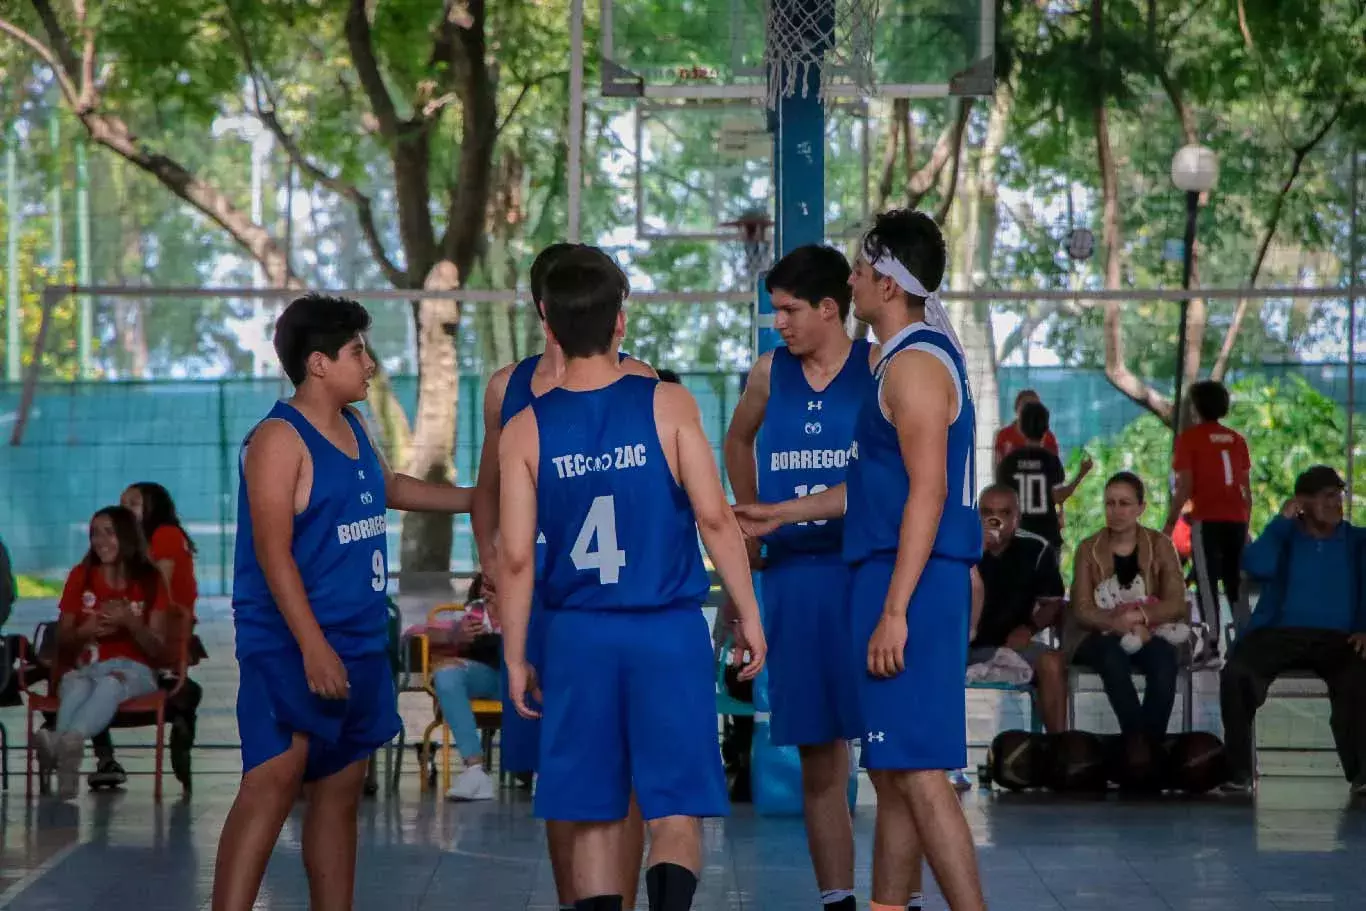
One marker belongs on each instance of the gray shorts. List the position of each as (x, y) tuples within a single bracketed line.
[(1031, 653)]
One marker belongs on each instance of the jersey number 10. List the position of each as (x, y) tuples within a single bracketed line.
[(608, 559)]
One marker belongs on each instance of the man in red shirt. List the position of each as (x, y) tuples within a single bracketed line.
[(1212, 468), (1010, 437)]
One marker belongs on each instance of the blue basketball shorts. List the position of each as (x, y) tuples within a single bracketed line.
[(812, 688), (630, 703), (520, 738), (274, 703), (917, 719)]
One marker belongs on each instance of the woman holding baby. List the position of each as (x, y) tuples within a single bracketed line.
[(1128, 610)]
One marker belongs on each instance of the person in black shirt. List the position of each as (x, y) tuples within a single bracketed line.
[(1038, 477), (1022, 594)]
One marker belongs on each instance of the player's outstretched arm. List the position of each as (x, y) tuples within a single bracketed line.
[(676, 411), (271, 470), (410, 494), (759, 519), (518, 454), (920, 398), (484, 519)]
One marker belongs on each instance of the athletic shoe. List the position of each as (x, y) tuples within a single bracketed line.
[(473, 783), (960, 780), (182, 740), (1241, 787), (109, 774), (1359, 789)]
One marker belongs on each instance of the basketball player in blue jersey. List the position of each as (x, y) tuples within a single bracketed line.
[(511, 389), (315, 696), (790, 436), (616, 473), (912, 536)]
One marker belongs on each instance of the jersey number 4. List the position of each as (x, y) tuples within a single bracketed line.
[(608, 559)]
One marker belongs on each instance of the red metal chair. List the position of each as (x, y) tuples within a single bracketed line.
[(132, 713)]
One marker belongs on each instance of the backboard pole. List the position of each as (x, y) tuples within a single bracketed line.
[(799, 174), (576, 110)]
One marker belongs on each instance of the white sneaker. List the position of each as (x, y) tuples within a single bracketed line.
[(960, 780), (70, 752), (1236, 788), (473, 783)]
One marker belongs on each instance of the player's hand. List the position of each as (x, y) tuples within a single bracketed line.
[(471, 625), (1293, 508), (758, 519), (887, 648), (325, 672), (1086, 464), (749, 636), (754, 549), (1019, 637), (522, 683), (1358, 643)]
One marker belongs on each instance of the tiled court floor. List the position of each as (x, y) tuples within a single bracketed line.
[(1298, 847)]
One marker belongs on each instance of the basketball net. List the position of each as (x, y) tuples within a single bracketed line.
[(836, 35), (753, 231)]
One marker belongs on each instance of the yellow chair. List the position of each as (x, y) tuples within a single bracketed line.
[(488, 713)]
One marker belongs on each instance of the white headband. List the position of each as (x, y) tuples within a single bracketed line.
[(935, 314)]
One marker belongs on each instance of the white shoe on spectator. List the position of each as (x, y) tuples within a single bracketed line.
[(45, 745), (1359, 789), (960, 780), (1236, 788), (70, 752), (473, 783)]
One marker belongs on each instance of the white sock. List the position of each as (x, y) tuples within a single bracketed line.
[(831, 896)]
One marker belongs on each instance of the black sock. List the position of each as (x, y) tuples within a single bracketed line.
[(848, 903), (599, 903), (670, 887)]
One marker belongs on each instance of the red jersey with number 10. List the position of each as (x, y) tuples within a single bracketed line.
[(1219, 465)]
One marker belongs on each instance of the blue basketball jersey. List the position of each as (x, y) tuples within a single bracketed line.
[(803, 444), (620, 533), (877, 482), (339, 546)]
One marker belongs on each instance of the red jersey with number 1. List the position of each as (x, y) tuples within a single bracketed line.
[(1219, 465)]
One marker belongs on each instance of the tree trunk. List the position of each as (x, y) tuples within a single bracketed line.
[(425, 544)]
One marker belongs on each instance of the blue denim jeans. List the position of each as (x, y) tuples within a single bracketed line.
[(90, 696), (455, 686), (1157, 662)]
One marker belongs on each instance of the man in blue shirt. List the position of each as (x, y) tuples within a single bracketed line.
[(1310, 617)]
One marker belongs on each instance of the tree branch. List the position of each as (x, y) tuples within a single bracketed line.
[(1300, 153), (895, 119), (87, 56), (946, 148), (359, 41), (521, 96), (47, 55), (266, 112)]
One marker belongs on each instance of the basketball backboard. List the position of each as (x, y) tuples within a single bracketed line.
[(715, 49), (701, 164)]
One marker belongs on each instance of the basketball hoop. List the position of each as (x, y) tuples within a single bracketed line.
[(835, 35), (752, 227)]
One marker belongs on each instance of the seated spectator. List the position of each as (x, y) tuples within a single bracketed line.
[(1211, 464), (472, 675), (1009, 438), (1022, 593), (1127, 579), (1310, 617), (110, 632), (1038, 477), (172, 551)]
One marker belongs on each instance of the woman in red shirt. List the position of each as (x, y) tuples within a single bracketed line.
[(110, 632), (173, 552)]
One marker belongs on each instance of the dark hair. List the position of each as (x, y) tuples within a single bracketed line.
[(912, 238), (668, 376), (476, 590), (1210, 399), (540, 267), (132, 559), (1024, 394), (812, 273), (583, 294), (1004, 490), (158, 509), (1133, 480), (1034, 421), (316, 322)]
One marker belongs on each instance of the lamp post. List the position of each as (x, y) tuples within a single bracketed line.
[(1195, 170)]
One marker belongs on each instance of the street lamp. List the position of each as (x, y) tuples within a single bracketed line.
[(1195, 170)]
